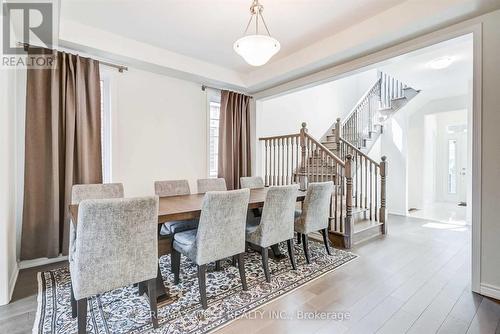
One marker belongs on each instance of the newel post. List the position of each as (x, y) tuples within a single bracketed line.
[(348, 201), (383, 213), (303, 157), (337, 136)]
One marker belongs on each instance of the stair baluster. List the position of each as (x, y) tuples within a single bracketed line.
[(348, 200), (383, 174)]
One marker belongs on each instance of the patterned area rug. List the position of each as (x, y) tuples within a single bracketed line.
[(124, 311)]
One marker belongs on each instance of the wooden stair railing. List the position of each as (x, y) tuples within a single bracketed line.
[(368, 175), (359, 182), (315, 158), (364, 122), (360, 122), (281, 159)]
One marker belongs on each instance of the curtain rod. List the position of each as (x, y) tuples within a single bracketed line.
[(204, 87), (120, 68)]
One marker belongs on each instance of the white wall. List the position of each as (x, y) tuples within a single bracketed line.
[(443, 120), (423, 135), (159, 130), (8, 264), (490, 171), (427, 174), (394, 145), (318, 106)]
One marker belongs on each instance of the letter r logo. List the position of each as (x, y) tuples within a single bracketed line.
[(31, 22)]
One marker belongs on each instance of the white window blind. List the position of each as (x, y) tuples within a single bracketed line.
[(214, 138)]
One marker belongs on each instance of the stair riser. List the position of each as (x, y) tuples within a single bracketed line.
[(367, 234), (319, 162), (330, 145), (330, 138)]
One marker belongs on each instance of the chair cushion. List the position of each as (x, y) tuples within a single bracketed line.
[(184, 243), (252, 231), (170, 228), (299, 224), (186, 237), (252, 224)]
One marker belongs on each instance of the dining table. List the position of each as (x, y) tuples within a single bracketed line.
[(188, 207)]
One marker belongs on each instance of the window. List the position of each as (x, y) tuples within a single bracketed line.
[(213, 149), (105, 131), (452, 166)]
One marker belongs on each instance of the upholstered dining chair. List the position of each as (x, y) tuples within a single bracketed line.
[(275, 225), (220, 234), (174, 188), (251, 182), (315, 214), (116, 246), (205, 185), (80, 192)]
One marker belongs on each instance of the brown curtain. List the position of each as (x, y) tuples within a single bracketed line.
[(234, 138), (63, 147)]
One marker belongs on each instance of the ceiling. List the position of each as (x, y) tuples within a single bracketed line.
[(206, 30), (413, 68)]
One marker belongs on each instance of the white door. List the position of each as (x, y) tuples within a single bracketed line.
[(456, 167)]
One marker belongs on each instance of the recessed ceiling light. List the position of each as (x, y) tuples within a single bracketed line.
[(441, 62)]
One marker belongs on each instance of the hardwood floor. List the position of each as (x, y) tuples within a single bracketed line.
[(414, 280)]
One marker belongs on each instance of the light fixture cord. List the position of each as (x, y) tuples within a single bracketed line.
[(248, 25), (265, 25), (257, 23), (256, 13)]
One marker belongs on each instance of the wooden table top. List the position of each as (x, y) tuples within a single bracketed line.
[(187, 207)]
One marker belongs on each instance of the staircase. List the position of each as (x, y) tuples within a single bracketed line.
[(358, 206), (364, 124)]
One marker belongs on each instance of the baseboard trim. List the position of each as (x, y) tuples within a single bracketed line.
[(490, 291), (12, 281), (395, 213), (40, 262)]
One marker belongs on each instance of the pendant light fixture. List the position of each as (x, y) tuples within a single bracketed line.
[(256, 49)]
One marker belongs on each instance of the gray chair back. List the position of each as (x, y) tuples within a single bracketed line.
[(221, 232), (80, 192), (116, 245), (206, 185), (277, 222), (172, 188), (251, 182), (316, 209)]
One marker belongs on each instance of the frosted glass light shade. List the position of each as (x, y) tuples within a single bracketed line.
[(256, 49)]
